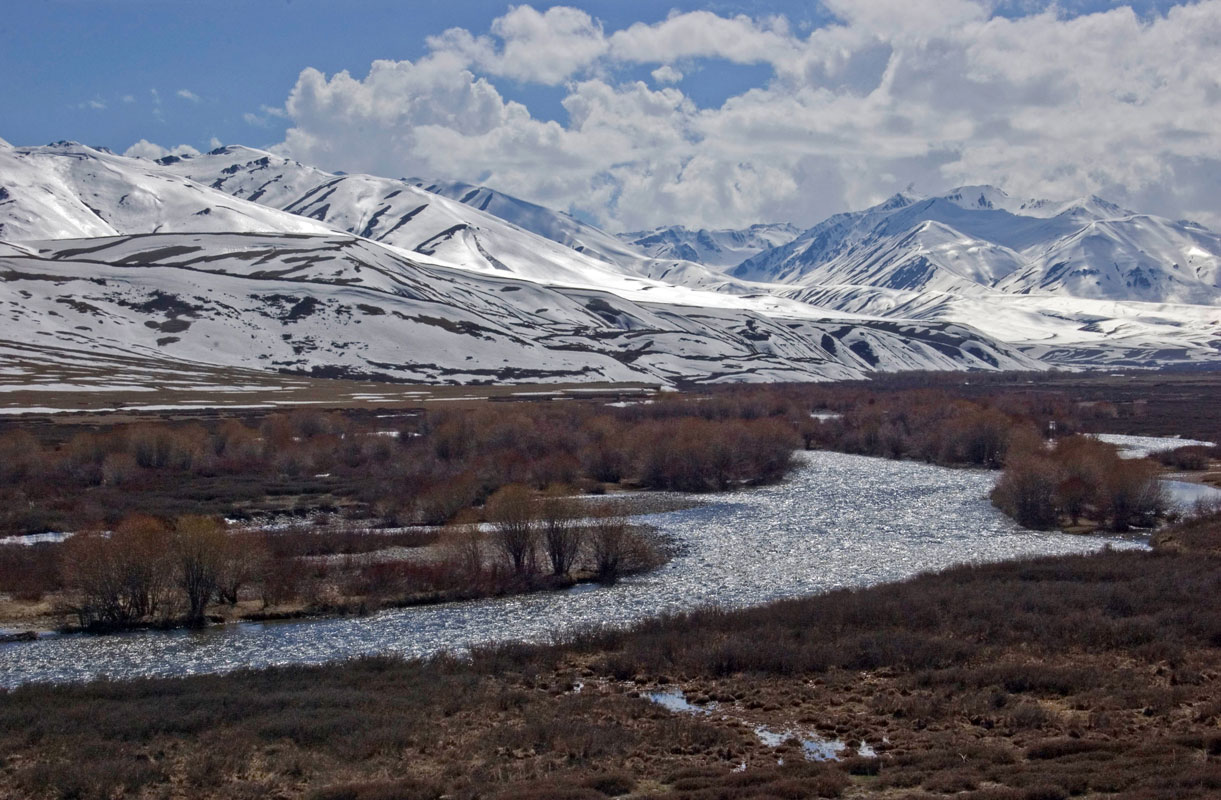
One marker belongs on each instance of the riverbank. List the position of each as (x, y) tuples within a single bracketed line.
[(1076, 675), (838, 521), (339, 569)]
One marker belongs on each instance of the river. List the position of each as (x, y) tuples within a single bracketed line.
[(839, 520)]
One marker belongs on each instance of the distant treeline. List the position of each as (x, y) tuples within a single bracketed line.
[(507, 464), (1053, 476), (146, 501), (417, 469)]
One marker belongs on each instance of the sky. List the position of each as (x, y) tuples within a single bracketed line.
[(638, 114)]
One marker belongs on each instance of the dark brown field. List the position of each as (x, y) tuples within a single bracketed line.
[(1084, 676), (1094, 677)]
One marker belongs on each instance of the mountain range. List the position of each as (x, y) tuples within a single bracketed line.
[(240, 257)]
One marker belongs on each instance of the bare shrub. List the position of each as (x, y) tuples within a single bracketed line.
[(1026, 491), (120, 578), (609, 543), (242, 560), (561, 535), (511, 513), (1132, 495), (199, 551)]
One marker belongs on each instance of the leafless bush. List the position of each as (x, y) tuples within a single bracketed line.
[(512, 515), (561, 535)]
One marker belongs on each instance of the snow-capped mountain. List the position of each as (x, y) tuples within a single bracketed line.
[(336, 305), (242, 258), (554, 225), (1134, 257), (587, 239), (273, 265), (978, 237), (454, 222), (717, 248), (395, 213), (1075, 283), (67, 190)]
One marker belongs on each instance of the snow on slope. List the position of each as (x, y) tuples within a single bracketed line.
[(411, 218), (858, 278), (1065, 331), (335, 305), (718, 248), (588, 240), (930, 256), (67, 190), (1137, 257), (554, 225), (1088, 248)]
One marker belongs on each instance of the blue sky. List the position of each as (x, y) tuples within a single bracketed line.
[(866, 96), (64, 58), (237, 56)]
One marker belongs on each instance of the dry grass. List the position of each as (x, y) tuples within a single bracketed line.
[(1071, 676)]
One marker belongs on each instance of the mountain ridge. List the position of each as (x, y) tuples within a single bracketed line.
[(537, 295)]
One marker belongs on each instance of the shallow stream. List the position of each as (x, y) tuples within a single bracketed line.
[(839, 520)]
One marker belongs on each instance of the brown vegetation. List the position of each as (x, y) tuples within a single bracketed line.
[(1079, 476), (1075, 676), (142, 495), (406, 468), (492, 461)]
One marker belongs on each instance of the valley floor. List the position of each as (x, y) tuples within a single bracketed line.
[(1083, 675)]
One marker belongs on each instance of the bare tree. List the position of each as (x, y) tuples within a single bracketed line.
[(199, 545), (511, 512), (1026, 491), (95, 579), (609, 542), (118, 578), (465, 545), (142, 547), (242, 558), (560, 532), (1132, 493)]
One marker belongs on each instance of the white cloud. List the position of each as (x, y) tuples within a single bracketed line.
[(129, 98), (526, 45), (187, 94), (263, 120), (932, 92), (666, 74), (146, 149), (703, 34)]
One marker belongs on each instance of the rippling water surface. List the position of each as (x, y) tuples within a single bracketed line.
[(839, 521)]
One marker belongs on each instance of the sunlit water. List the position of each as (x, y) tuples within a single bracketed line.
[(840, 520), (1183, 496)]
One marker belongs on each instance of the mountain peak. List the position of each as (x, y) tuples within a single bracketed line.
[(980, 197), (899, 200)]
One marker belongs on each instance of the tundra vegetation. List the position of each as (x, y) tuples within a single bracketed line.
[(399, 494), (1079, 676)]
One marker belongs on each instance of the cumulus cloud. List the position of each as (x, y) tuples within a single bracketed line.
[(666, 74), (890, 93), (146, 149), (264, 118), (704, 34), (527, 45), (187, 94)]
